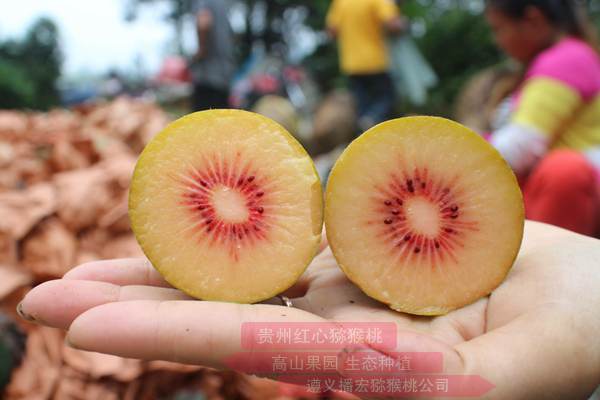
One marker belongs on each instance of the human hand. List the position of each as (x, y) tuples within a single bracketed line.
[(534, 337)]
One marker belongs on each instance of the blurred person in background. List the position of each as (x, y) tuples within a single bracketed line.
[(213, 66), (552, 135), (360, 27)]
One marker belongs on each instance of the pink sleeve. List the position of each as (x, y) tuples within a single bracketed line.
[(572, 62)]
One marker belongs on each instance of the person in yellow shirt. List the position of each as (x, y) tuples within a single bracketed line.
[(360, 27)]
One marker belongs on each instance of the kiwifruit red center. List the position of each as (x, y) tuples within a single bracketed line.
[(228, 204), (222, 204), (420, 215)]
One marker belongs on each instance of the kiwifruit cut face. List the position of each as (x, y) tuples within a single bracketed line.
[(227, 206), (424, 215)]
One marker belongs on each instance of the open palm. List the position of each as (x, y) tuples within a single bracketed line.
[(536, 336)]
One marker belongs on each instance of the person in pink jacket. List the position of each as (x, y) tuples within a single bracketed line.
[(552, 138)]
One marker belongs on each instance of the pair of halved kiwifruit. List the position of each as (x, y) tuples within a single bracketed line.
[(421, 213)]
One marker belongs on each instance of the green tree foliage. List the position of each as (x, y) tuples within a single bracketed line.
[(456, 41), (30, 68)]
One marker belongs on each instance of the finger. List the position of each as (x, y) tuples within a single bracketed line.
[(125, 271), (139, 271), (324, 260), (520, 358), (202, 333), (57, 303)]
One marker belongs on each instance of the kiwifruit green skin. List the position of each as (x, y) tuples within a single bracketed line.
[(357, 146), (161, 140)]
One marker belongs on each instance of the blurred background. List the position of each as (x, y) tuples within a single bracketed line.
[(83, 87)]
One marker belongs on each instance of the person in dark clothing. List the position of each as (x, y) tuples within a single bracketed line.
[(374, 96), (213, 65)]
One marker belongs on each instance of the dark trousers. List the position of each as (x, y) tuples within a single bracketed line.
[(206, 97), (374, 96)]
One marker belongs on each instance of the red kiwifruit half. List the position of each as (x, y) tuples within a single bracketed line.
[(423, 215), (227, 206)]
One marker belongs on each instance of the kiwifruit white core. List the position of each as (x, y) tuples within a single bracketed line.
[(229, 204), (423, 216)]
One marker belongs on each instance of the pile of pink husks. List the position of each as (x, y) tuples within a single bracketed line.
[(64, 177)]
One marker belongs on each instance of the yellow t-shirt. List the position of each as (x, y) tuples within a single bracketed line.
[(561, 95), (361, 36), (560, 113)]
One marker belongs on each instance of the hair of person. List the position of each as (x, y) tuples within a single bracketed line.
[(568, 15)]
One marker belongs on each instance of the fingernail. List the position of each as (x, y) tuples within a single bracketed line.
[(23, 314)]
